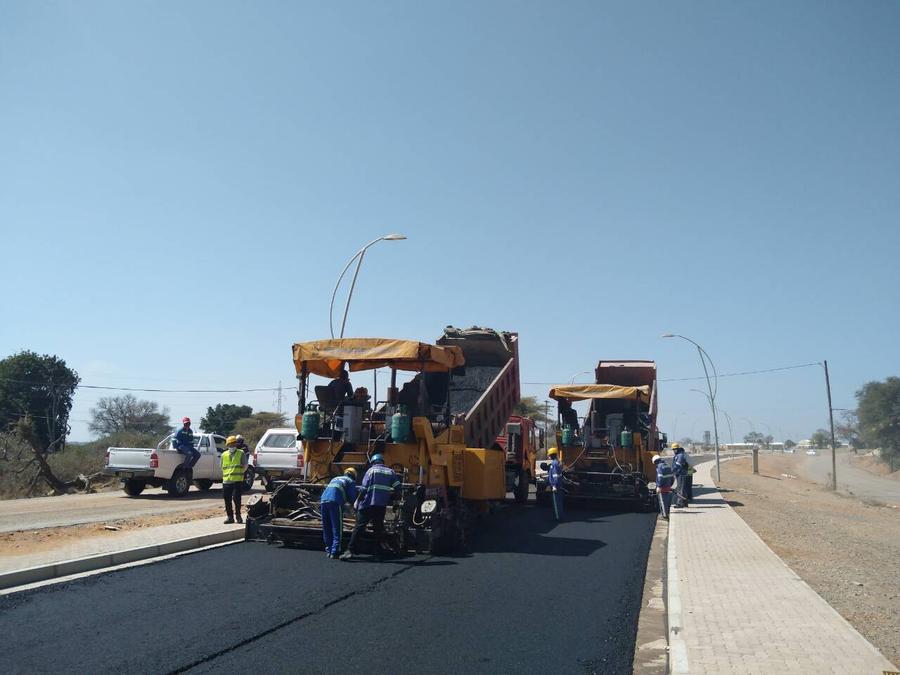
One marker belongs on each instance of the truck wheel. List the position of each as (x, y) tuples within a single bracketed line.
[(249, 477), (203, 485), (180, 483), (133, 487), (521, 492)]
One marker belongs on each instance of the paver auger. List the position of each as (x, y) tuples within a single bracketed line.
[(437, 432)]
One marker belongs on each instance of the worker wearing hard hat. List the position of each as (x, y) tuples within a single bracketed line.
[(375, 493), (234, 465), (664, 480), (183, 442), (341, 490), (680, 468), (555, 479)]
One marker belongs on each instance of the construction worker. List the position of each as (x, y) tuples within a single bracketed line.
[(680, 469), (340, 388), (378, 486), (234, 464), (341, 490), (555, 478), (664, 480), (183, 442)]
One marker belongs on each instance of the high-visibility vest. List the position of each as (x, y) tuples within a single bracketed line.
[(232, 470)]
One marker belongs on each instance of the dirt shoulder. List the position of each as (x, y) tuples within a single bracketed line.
[(847, 550), (26, 542), (874, 465)]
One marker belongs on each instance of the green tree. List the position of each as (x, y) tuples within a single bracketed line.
[(36, 394), (529, 406), (878, 407), (222, 418), (755, 438), (127, 414), (820, 439), (848, 429), (252, 428), (788, 444)]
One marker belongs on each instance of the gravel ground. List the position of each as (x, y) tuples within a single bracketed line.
[(847, 550)]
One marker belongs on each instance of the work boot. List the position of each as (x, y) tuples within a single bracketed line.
[(240, 520), (229, 520), (346, 555)]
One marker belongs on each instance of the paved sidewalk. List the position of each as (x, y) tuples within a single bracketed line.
[(90, 546), (735, 607)]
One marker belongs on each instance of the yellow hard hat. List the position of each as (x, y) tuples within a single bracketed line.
[(231, 440), (676, 446), (552, 451), (350, 472)]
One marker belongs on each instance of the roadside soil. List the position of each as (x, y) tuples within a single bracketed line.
[(26, 542), (874, 465), (848, 551)]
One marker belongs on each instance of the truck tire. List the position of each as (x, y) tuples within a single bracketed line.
[(203, 485), (133, 487), (521, 491), (249, 477), (179, 484)]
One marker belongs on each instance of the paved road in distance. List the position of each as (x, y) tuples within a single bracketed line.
[(533, 597)]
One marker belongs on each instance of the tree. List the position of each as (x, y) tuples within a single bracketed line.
[(529, 406), (820, 439), (767, 440), (222, 418), (36, 394), (788, 444), (848, 429), (119, 414), (879, 416), (755, 438), (252, 428)]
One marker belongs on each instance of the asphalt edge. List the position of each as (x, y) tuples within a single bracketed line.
[(651, 646), (31, 575)]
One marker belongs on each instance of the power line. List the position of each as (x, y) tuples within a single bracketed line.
[(141, 389)]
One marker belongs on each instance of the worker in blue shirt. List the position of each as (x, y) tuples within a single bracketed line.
[(341, 490), (183, 442), (680, 469), (664, 480), (555, 479), (377, 489)]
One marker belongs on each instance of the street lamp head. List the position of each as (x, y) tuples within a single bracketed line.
[(667, 335), (393, 237)]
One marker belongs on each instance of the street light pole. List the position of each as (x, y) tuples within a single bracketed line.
[(712, 394), (831, 421), (359, 255), (581, 372)]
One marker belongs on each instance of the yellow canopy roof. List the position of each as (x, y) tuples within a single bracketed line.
[(326, 357), (583, 392)]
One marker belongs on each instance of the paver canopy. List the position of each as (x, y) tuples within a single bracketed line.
[(327, 357), (584, 392)]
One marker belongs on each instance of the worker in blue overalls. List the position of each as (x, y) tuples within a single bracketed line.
[(555, 479), (341, 490), (664, 480)]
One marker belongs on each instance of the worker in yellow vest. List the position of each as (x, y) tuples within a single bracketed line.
[(234, 465)]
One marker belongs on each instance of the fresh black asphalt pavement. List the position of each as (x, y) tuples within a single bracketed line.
[(532, 596)]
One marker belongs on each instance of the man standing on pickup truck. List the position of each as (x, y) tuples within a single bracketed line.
[(234, 464), (341, 490), (378, 486), (184, 444), (555, 479)]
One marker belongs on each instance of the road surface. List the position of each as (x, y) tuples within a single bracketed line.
[(65, 510), (532, 597), (859, 482)]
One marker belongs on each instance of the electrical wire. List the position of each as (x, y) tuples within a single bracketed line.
[(745, 372)]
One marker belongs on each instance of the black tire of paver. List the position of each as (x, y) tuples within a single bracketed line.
[(133, 487), (249, 477), (179, 484), (203, 485), (521, 492)]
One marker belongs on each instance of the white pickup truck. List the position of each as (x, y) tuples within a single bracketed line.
[(278, 456), (159, 466)]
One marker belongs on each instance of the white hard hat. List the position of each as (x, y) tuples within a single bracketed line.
[(656, 458)]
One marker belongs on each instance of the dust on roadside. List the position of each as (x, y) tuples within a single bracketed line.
[(26, 542), (846, 550)]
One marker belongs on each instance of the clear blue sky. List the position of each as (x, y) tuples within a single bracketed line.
[(181, 183)]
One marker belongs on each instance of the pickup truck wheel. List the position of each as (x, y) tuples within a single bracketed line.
[(203, 485), (249, 477), (521, 491), (133, 487), (179, 484)]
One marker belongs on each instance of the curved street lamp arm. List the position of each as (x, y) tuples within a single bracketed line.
[(334, 292)]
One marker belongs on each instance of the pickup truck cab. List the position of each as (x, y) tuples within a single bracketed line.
[(279, 455), (160, 466)]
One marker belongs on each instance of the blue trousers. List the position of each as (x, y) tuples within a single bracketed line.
[(665, 503), (190, 458), (332, 526), (557, 497)]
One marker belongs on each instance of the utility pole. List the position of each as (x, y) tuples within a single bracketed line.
[(831, 422), (278, 406)]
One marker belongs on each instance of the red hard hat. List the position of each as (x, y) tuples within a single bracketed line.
[(186, 420)]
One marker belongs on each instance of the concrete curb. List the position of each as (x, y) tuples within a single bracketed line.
[(65, 568), (651, 646)]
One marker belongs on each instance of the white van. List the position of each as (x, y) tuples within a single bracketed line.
[(279, 455)]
